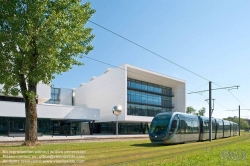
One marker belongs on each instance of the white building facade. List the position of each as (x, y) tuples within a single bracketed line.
[(141, 94), (56, 114), (88, 109)]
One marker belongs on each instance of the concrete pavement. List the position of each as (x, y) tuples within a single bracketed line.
[(6, 139)]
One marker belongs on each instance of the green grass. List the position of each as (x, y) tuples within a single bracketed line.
[(228, 151)]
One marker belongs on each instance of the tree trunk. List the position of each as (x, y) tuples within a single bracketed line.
[(31, 120), (30, 123)]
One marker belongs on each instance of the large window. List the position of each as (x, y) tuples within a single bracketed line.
[(55, 96), (147, 99), (144, 110), (149, 87), (160, 123), (12, 124)]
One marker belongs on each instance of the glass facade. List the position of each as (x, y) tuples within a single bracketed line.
[(46, 126), (149, 87), (123, 128), (55, 96), (65, 128), (147, 99), (11, 124)]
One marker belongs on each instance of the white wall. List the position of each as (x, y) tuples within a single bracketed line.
[(43, 92), (16, 109), (110, 89), (104, 92), (179, 99)]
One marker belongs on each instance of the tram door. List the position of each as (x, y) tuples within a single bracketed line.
[(175, 129), (178, 132)]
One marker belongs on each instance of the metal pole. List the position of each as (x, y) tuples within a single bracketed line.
[(116, 125), (210, 111), (239, 120)]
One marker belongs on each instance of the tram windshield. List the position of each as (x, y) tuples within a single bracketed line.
[(159, 123)]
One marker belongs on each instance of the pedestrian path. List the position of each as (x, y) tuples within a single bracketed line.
[(75, 137)]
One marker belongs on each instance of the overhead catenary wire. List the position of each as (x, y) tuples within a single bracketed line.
[(142, 75), (200, 87), (149, 51), (232, 95), (215, 101), (127, 70), (156, 54), (236, 98)]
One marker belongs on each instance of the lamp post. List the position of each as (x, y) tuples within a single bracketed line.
[(117, 110)]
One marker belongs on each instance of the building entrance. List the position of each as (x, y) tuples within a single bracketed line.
[(65, 128)]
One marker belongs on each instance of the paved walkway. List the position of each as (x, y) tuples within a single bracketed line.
[(78, 137)]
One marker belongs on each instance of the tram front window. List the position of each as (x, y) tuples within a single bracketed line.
[(173, 126), (159, 124)]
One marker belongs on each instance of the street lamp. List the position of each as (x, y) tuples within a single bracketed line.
[(117, 110)]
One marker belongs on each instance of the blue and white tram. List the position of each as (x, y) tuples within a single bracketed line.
[(176, 127)]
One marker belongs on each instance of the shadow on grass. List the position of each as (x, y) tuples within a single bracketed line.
[(154, 145), (145, 145), (9, 146), (149, 145)]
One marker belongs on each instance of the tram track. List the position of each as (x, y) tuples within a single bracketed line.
[(163, 152), (182, 152)]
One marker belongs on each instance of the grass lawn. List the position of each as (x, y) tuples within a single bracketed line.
[(229, 151)]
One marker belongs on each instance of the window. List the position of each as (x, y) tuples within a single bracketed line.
[(195, 127), (147, 94), (189, 127)]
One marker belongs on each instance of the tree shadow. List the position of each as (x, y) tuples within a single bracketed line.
[(10, 146)]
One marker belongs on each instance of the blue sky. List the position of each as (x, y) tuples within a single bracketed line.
[(210, 38)]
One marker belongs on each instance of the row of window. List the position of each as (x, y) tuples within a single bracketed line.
[(123, 128), (151, 99), (205, 128), (189, 126), (11, 124), (145, 86), (144, 110)]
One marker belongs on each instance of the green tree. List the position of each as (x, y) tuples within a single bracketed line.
[(190, 110), (243, 124), (202, 111), (39, 39)]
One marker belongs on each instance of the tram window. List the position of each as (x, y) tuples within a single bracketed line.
[(179, 129), (205, 126), (189, 127), (183, 127), (173, 126), (195, 127)]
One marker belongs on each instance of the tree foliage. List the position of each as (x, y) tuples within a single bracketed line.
[(243, 124), (202, 111), (39, 39), (191, 110)]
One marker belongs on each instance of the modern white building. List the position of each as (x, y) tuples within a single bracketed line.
[(56, 114), (141, 94), (88, 109)]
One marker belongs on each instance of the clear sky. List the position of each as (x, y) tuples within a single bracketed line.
[(210, 38)]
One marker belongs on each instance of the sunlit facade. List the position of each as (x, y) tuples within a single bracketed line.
[(141, 93)]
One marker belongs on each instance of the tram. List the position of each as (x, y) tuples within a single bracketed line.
[(177, 127)]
